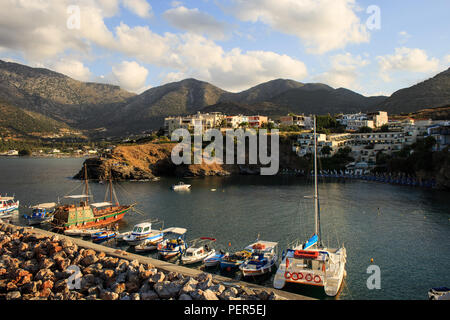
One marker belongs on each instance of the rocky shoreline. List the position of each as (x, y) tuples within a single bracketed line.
[(40, 267)]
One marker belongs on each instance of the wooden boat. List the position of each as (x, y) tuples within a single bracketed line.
[(214, 260), (198, 250), (264, 256), (41, 213), (148, 245), (233, 261), (174, 245), (7, 206), (103, 236), (84, 215)]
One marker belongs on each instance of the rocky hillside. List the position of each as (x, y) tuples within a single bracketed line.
[(434, 92), (56, 95), (151, 160)]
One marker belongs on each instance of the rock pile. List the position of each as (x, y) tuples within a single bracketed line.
[(35, 267)]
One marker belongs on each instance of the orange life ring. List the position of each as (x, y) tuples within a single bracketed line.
[(315, 277), (296, 276), (287, 275), (310, 277)]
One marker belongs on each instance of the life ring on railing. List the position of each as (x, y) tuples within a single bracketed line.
[(317, 279), (287, 275), (310, 277), (300, 276), (296, 276)]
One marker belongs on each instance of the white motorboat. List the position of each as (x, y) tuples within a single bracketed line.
[(7, 206), (198, 250), (263, 259), (181, 186), (311, 263), (143, 231)]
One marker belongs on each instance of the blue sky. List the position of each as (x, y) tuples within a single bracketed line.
[(234, 44)]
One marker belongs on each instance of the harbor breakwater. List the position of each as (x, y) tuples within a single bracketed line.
[(40, 265)]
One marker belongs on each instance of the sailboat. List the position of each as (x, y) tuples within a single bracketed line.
[(85, 215), (310, 263)]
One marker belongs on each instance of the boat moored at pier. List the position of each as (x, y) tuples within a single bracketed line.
[(263, 259), (7, 206), (174, 245), (41, 213), (198, 250)]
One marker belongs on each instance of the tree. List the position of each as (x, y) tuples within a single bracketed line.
[(384, 128), (326, 150), (365, 130)]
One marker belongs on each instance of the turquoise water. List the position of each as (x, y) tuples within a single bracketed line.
[(404, 230)]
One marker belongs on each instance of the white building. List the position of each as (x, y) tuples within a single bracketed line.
[(355, 125), (235, 121), (206, 120), (379, 118)]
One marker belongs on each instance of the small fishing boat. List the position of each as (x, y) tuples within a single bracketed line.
[(439, 293), (264, 256), (103, 236), (233, 261), (148, 245), (181, 186), (198, 250), (214, 260), (7, 206), (41, 213), (143, 231), (175, 243), (82, 232)]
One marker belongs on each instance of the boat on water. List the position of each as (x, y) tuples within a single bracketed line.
[(214, 260), (41, 213), (174, 245), (310, 263), (181, 186), (148, 245), (439, 293), (7, 206), (198, 250), (142, 232), (232, 261), (263, 259), (103, 236), (86, 215), (82, 232)]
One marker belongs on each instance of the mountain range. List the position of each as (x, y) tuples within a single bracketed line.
[(59, 102)]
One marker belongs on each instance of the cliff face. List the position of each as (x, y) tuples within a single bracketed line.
[(150, 160)]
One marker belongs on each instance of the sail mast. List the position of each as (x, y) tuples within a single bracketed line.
[(316, 194), (86, 183)]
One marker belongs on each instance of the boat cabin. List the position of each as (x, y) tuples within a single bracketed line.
[(42, 209), (142, 229)]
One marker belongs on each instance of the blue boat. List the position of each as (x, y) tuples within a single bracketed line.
[(103, 236), (214, 260), (41, 213), (175, 243), (233, 261)]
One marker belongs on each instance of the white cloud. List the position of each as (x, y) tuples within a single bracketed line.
[(195, 21), (130, 76), (72, 68), (343, 71), (404, 37), (140, 7), (406, 59), (323, 25), (447, 59)]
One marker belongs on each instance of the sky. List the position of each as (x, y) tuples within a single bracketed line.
[(371, 47)]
